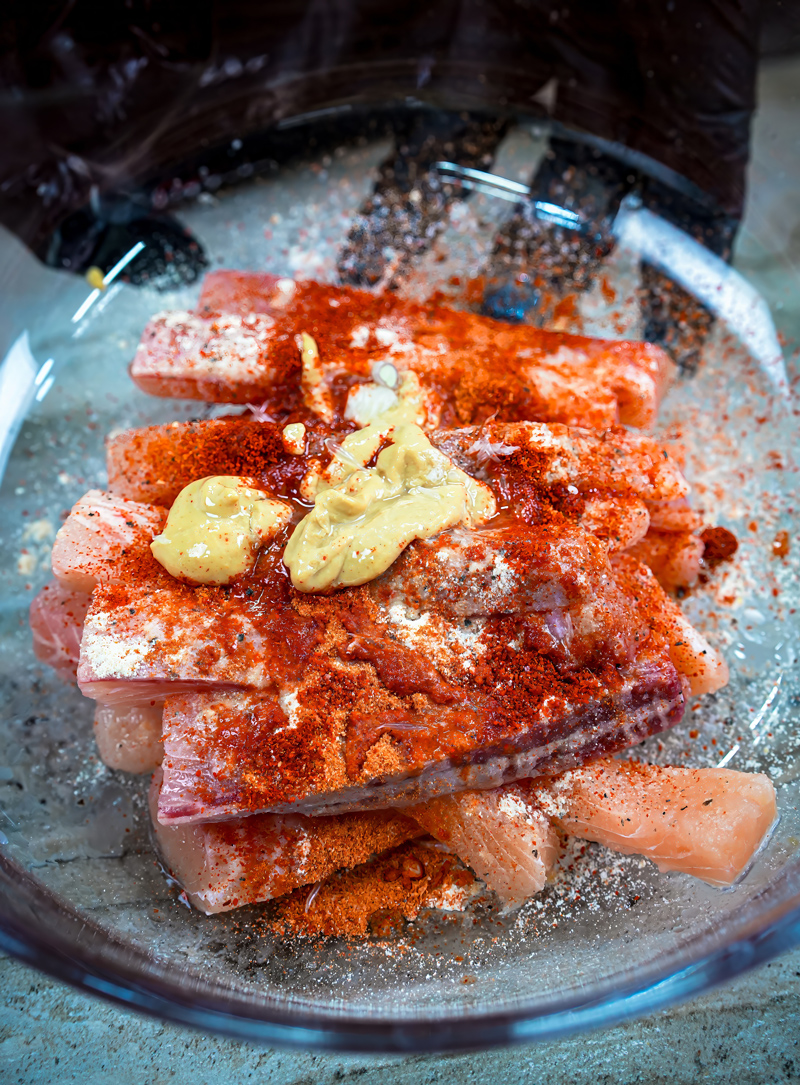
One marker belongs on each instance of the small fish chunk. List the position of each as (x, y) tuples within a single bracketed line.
[(693, 657), (224, 358), (705, 822), (100, 529), (507, 841), (129, 738), (674, 558), (56, 618)]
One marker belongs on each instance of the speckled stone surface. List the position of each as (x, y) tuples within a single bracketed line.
[(746, 1032)]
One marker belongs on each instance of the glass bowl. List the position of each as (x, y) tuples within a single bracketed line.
[(81, 891)]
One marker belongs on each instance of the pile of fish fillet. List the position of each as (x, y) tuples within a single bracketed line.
[(252, 794)]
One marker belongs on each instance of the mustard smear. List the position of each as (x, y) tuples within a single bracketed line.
[(364, 517), (215, 527)]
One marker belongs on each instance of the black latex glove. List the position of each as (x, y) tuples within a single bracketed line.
[(107, 97)]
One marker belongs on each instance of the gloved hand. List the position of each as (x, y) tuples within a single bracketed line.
[(113, 98)]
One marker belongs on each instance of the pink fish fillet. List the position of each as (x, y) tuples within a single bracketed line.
[(504, 838), (170, 638), (704, 822), (56, 618), (100, 529), (693, 657), (224, 866), (237, 348), (243, 292), (674, 558), (222, 358), (129, 738)]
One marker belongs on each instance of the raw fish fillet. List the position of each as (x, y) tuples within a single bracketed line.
[(129, 738), (244, 292), (147, 640), (704, 822), (674, 558), (56, 618), (257, 858), (153, 464), (703, 667), (471, 366), (99, 532), (224, 358), (506, 840), (226, 755)]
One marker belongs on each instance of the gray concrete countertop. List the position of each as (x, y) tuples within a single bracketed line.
[(745, 1032)]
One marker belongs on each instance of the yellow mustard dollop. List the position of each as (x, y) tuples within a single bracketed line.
[(364, 517), (215, 527)]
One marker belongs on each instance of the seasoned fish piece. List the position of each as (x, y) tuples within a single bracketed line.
[(704, 822), (56, 618), (146, 640), (226, 755), (129, 738), (153, 464), (242, 348), (674, 558), (224, 866), (100, 530), (523, 460), (225, 358), (496, 570), (546, 455), (702, 665)]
